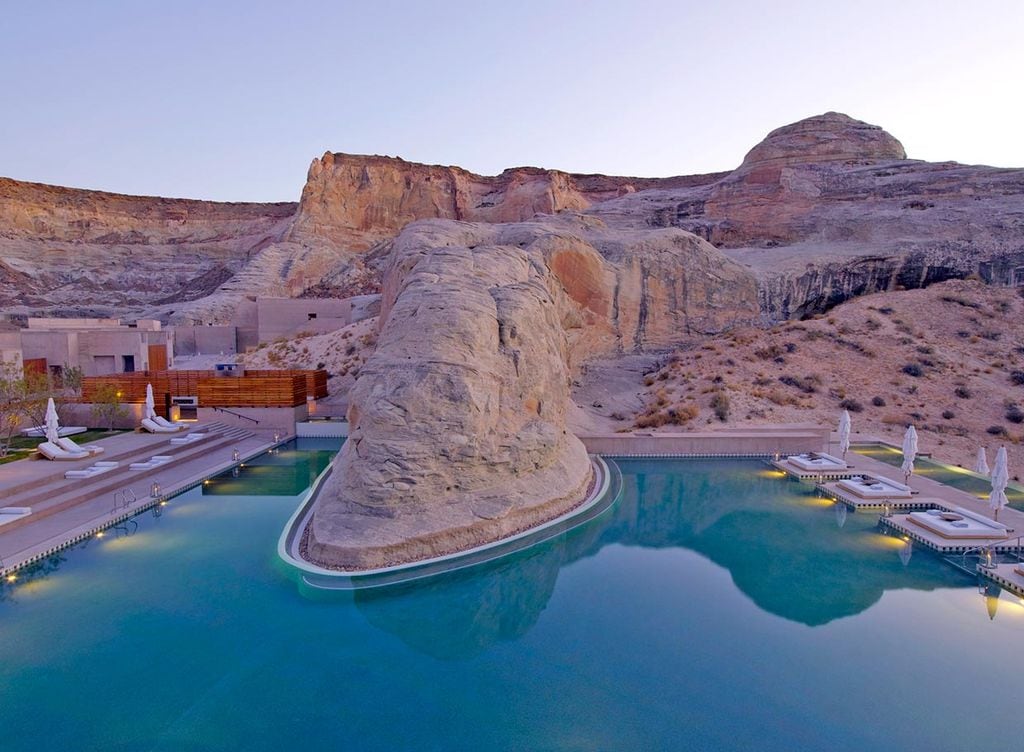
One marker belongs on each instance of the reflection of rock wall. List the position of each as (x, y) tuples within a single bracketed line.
[(790, 559), (460, 615)]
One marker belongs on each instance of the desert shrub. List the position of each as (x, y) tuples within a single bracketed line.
[(684, 413), (648, 380), (925, 349), (959, 301), (886, 311), (913, 369), (780, 397), (873, 324), (996, 430), (762, 381), (1017, 378), (948, 414), (1014, 414), (992, 335), (852, 405), (962, 392), (806, 384), (790, 347), (878, 402), (720, 405), (963, 335), (768, 353)]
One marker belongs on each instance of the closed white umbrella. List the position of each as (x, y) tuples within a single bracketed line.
[(150, 403), (844, 433), (909, 452), (52, 422), (981, 463), (1000, 477)]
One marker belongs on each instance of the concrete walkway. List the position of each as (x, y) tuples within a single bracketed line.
[(36, 538)]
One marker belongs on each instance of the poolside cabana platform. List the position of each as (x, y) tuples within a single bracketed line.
[(802, 471), (903, 525), (860, 504), (1008, 576)]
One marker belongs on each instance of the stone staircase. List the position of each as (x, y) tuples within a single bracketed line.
[(55, 493)]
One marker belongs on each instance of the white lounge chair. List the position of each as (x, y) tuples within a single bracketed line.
[(53, 452), (161, 421), (155, 461), (70, 446), (154, 427), (187, 438), (10, 514), (88, 472)]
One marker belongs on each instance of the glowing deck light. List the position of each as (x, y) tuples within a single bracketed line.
[(12, 577), (99, 534)]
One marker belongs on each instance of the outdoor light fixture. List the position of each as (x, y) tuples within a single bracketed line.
[(234, 456), (154, 490)]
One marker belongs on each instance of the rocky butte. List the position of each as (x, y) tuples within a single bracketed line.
[(500, 291)]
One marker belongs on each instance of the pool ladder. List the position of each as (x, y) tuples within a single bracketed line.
[(982, 554), (123, 498)]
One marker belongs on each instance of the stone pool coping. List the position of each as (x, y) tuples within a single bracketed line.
[(601, 498)]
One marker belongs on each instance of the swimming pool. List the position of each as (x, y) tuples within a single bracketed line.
[(951, 475), (715, 606)]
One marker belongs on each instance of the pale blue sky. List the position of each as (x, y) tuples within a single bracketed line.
[(231, 100)]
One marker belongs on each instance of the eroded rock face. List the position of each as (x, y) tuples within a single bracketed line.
[(76, 249), (458, 419), (830, 207), (356, 200)]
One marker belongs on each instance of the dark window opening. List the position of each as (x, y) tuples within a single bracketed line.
[(129, 363)]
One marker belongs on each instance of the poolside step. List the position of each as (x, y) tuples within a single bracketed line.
[(110, 482)]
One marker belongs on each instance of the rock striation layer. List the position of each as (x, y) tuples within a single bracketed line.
[(821, 210)]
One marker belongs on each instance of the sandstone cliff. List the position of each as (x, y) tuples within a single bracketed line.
[(829, 208), (89, 250), (821, 210)]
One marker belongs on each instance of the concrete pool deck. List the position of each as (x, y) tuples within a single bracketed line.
[(65, 511)]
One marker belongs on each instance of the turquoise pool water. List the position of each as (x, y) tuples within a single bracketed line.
[(285, 471), (714, 607), (948, 474)]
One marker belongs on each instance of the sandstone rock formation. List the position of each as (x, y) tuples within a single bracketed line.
[(458, 419), (829, 208), (458, 432), (89, 250)]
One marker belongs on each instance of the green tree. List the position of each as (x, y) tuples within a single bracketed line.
[(12, 403), (106, 406)]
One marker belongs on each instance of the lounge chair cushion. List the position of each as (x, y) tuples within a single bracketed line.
[(153, 427), (53, 452)]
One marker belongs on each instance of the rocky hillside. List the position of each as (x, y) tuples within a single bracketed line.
[(83, 251), (829, 208), (949, 359)]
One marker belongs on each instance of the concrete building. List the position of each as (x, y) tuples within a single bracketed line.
[(262, 320), (98, 346)]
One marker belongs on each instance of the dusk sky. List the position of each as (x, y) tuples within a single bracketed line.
[(231, 100)]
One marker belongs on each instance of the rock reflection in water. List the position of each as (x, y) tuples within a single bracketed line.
[(780, 543)]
